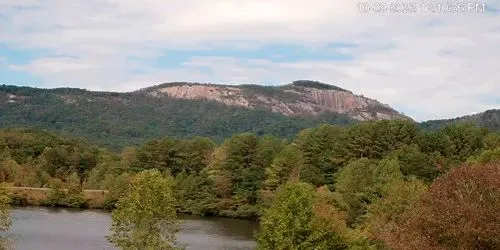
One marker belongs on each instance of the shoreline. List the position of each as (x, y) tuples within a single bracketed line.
[(36, 197), (95, 200)]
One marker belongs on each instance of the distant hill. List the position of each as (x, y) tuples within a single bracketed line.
[(489, 119), (185, 110)]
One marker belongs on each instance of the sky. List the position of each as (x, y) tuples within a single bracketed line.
[(438, 60)]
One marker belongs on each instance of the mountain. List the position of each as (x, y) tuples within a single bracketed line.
[(186, 109), (489, 119), (300, 98)]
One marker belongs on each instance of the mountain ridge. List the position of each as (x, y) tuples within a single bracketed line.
[(489, 119), (118, 119), (302, 97)]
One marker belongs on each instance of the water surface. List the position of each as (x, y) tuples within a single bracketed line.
[(53, 229)]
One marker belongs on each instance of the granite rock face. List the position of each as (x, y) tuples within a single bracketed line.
[(300, 98)]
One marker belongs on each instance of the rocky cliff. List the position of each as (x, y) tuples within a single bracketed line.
[(300, 98)]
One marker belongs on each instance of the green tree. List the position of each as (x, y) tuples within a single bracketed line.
[(466, 139), (238, 169), (486, 156), (491, 141), (145, 218), (355, 184), (291, 223), (388, 170), (56, 195), (117, 186), (5, 220), (128, 158), (376, 139), (385, 214), (321, 148), (286, 165), (75, 197), (417, 163), (196, 193), (193, 154), (159, 154)]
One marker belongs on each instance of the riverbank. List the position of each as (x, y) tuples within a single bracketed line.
[(28, 196), (94, 199)]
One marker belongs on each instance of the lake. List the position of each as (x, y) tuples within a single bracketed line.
[(53, 229)]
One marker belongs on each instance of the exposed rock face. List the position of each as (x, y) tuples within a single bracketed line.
[(299, 98), (222, 94)]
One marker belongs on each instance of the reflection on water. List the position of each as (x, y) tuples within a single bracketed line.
[(46, 228), (217, 233)]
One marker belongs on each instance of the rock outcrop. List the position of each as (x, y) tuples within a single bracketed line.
[(300, 98)]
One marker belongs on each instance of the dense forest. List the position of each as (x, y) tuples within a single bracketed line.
[(370, 185), (489, 119), (115, 120)]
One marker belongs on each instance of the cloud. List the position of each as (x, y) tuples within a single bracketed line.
[(427, 65)]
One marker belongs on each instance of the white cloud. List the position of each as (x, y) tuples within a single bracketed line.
[(433, 65)]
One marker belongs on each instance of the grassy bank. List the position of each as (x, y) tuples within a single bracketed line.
[(27, 196)]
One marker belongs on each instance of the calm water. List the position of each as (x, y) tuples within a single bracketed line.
[(54, 229)]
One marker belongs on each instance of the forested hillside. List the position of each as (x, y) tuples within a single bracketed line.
[(489, 119), (116, 120)]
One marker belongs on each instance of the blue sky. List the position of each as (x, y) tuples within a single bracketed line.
[(427, 65)]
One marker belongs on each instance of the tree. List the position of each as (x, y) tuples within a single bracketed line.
[(196, 193), (56, 195), (466, 139), (75, 197), (375, 139), (460, 211), (491, 140), (486, 156), (287, 164), (117, 186), (128, 158), (5, 220), (145, 218), (385, 214), (193, 154), (159, 154), (416, 163), (355, 183), (291, 223), (321, 147)]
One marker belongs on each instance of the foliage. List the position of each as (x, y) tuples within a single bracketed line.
[(489, 119), (355, 184), (5, 219), (238, 171), (319, 147), (56, 196), (117, 187), (363, 181), (116, 120), (292, 223), (196, 193), (460, 211), (74, 197), (286, 165), (385, 214), (145, 218), (317, 85), (486, 156)]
